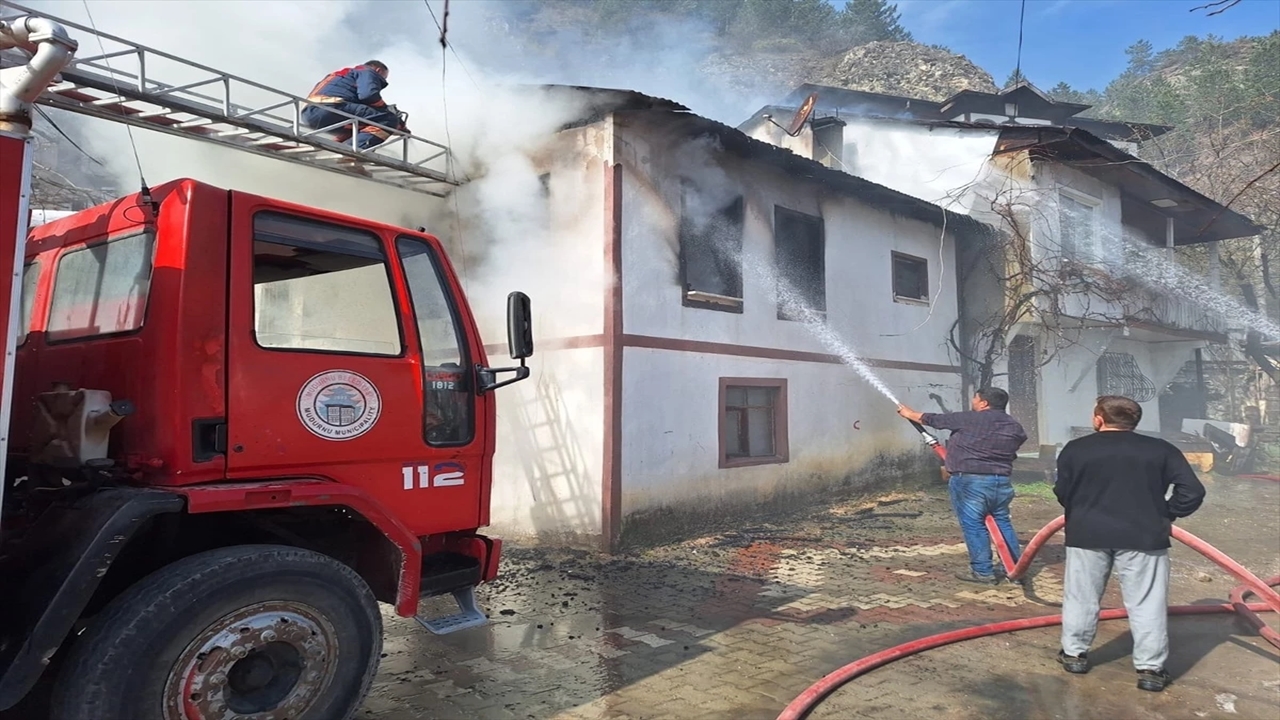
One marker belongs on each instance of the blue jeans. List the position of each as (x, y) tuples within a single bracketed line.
[(319, 116), (974, 497)]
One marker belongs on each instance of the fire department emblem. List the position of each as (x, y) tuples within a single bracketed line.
[(339, 405)]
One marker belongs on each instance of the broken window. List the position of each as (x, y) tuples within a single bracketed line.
[(1077, 228), (910, 277), (753, 421), (710, 251), (799, 254)]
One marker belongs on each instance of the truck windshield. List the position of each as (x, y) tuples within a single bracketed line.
[(446, 384)]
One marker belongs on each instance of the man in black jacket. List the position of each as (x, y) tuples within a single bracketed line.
[(1112, 485)]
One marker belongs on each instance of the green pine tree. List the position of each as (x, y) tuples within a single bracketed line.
[(864, 21)]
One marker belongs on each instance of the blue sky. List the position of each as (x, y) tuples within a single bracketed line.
[(1079, 41)]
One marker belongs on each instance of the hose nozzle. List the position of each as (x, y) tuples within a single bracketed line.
[(929, 439)]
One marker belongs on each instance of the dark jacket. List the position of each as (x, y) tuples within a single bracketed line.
[(360, 84), (1112, 486), (982, 442)]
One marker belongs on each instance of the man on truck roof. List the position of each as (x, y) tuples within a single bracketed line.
[(355, 91)]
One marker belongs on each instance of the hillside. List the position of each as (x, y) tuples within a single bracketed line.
[(893, 68)]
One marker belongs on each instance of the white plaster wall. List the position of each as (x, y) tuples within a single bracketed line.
[(547, 463), (671, 398), (1073, 366), (670, 405), (547, 466), (934, 164), (1061, 408), (765, 131)]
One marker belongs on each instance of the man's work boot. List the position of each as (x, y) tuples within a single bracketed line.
[(1153, 680), (1076, 665), (973, 577)]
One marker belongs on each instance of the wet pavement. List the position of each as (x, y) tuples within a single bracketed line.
[(737, 624)]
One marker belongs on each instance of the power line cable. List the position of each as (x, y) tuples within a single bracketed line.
[(107, 60)]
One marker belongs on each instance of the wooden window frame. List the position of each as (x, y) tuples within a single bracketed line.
[(894, 256), (781, 446), (700, 299)]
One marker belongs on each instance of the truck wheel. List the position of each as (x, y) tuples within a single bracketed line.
[(255, 631)]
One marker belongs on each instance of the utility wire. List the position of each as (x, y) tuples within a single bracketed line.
[(128, 128), (75, 145), (1022, 16), (444, 31), (444, 107)]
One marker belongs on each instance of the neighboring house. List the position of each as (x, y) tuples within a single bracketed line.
[(673, 385), (1076, 295)]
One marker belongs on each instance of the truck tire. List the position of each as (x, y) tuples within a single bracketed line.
[(260, 631)]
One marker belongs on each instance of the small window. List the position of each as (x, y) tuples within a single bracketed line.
[(446, 385), (753, 421), (1119, 374), (101, 289), (30, 280), (321, 287), (910, 278), (710, 251), (1077, 232), (800, 256)]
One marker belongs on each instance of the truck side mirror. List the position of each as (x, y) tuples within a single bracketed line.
[(519, 326), (519, 342)]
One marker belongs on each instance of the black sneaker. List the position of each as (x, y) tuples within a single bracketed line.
[(973, 577), (1077, 665), (1152, 680)]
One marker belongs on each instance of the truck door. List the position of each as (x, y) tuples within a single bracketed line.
[(346, 361)]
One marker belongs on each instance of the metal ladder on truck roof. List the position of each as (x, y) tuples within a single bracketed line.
[(118, 83)]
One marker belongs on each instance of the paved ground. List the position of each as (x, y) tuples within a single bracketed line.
[(735, 625)]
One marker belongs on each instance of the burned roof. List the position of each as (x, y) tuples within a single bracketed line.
[(738, 143), (603, 101)]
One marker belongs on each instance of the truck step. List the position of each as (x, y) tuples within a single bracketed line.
[(469, 617)]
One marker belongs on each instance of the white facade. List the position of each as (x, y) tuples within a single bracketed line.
[(619, 430), (837, 423), (1066, 212)]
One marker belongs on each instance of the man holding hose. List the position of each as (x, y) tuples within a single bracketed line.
[(984, 443), (1112, 486)]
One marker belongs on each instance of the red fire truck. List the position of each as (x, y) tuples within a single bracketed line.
[(232, 425)]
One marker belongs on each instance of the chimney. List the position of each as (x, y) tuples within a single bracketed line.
[(828, 141)]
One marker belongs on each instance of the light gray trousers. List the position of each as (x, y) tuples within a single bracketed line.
[(1144, 584)]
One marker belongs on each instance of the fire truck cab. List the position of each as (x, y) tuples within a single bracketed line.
[(237, 424)]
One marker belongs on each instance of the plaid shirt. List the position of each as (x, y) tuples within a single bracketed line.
[(981, 443)]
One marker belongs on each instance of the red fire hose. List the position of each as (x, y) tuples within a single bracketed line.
[(807, 700)]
